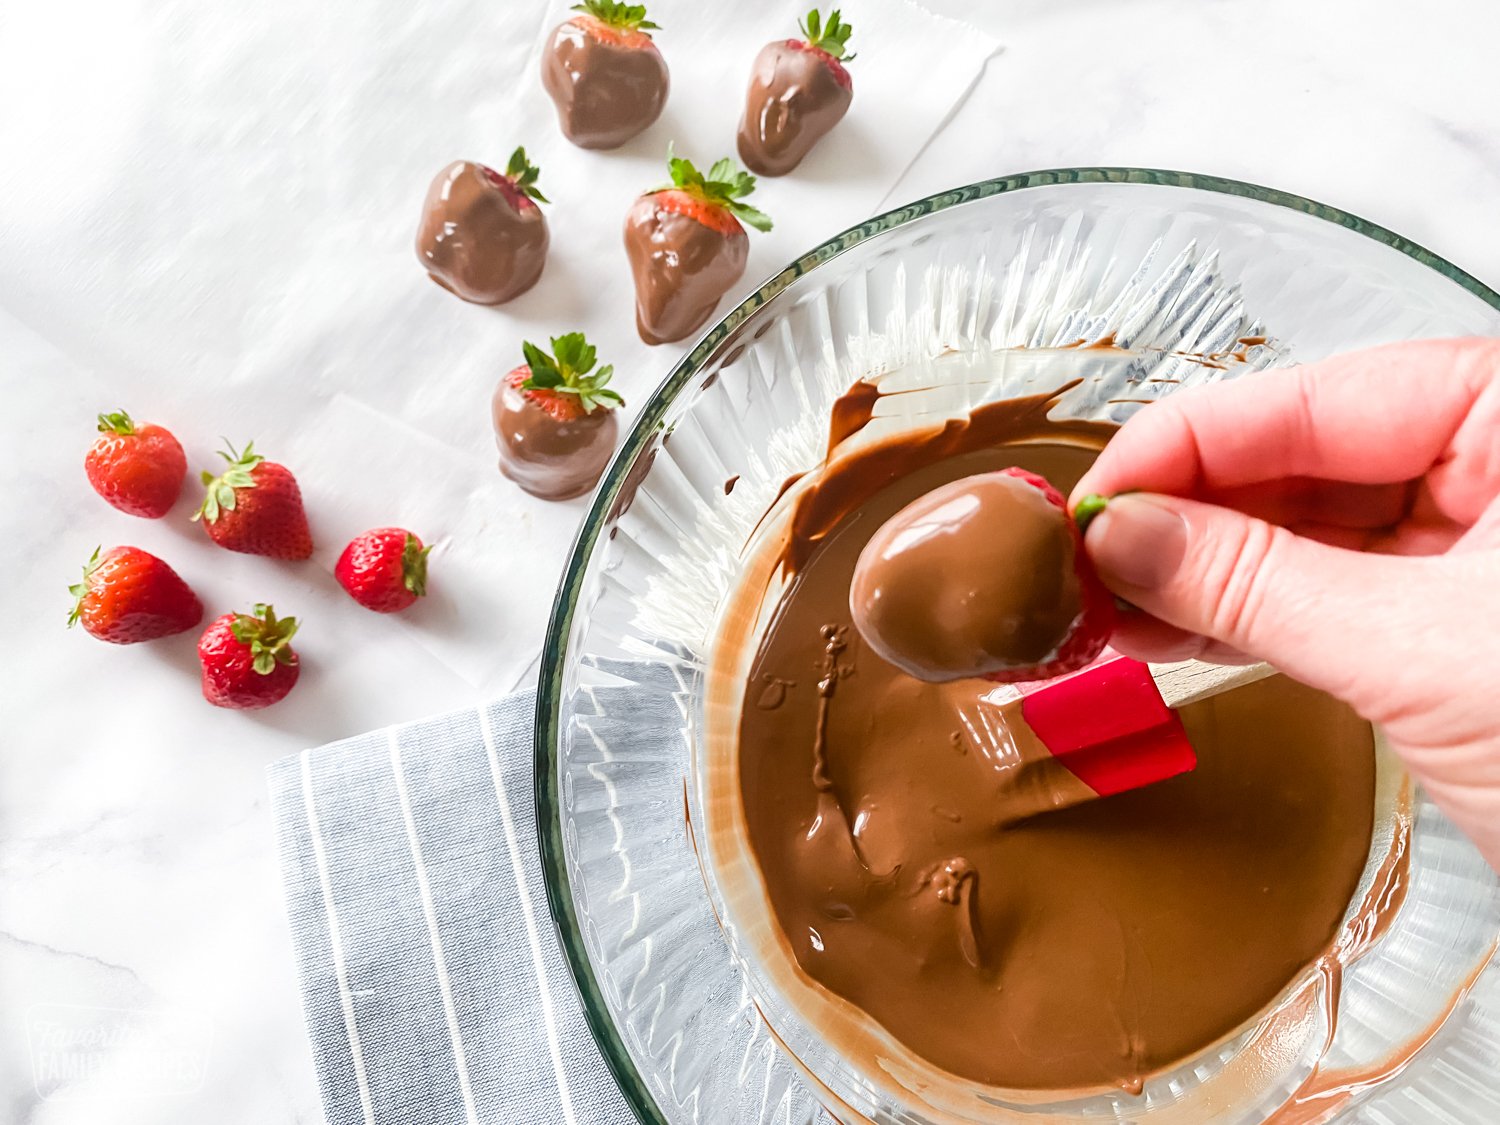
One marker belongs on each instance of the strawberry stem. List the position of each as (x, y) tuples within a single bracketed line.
[(80, 591), (220, 496), (267, 636), (1088, 508), (414, 565), (117, 423), (523, 173)]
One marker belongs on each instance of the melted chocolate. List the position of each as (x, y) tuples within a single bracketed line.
[(1328, 1089), (681, 269), (481, 238), (973, 577), (793, 100), (895, 822), (550, 459), (606, 91), (852, 412)]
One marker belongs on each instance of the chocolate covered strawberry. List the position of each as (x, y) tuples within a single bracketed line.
[(255, 507), (128, 595), (799, 90), (687, 247), (247, 659), (137, 467), (604, 73), (482, 235), (384, 570), (555, 421), (984, 576)]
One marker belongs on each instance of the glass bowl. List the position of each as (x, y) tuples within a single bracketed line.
[(971, 294)]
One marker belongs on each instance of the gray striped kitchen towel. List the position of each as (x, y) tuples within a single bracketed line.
[(434, 987)]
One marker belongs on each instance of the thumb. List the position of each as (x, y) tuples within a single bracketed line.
[(1308, 608)]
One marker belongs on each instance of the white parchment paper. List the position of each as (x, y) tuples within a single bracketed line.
[(206, 218)]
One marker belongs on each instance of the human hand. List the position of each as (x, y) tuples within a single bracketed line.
[(1340, 520)]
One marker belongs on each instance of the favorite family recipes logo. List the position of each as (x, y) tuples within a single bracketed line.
[(78, 1051)]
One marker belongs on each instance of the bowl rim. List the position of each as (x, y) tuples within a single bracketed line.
[(650, 419)]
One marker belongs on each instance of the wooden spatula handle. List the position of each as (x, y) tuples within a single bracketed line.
[(1189, 681)]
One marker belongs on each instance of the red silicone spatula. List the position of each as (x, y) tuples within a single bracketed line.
[(1114, 723)]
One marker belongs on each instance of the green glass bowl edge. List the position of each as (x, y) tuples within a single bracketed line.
[(549, 685)]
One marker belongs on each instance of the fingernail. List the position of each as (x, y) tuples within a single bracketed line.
[(1138, 542)]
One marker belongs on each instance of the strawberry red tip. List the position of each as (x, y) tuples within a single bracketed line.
[(1040, 483)]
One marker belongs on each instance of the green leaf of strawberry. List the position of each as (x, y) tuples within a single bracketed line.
[(220, 495), (81, 589), (573, 351), (117, 423), (831, 38), (414, 565), (626, 17), (752, 216), (267, 636), (523, 174), (726, 185), (570, 370)]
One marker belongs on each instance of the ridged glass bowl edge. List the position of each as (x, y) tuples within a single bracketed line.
[(554, 647)]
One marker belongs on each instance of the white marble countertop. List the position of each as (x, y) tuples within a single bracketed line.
[(141, 877)]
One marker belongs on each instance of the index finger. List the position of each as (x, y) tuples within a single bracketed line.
[(1377, 416)]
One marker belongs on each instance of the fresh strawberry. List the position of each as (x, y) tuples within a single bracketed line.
[(554, 418), (604, 73), (384, 570), (687, 247), (1091, 632), (799, 89), (255, 507), (128, 596), (137, 468), (247, 659)]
